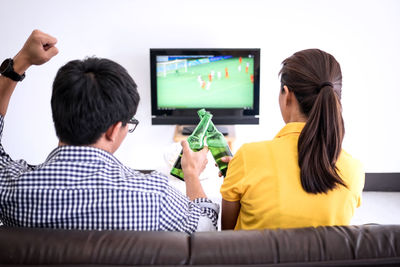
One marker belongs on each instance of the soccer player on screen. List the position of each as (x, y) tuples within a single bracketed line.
[(200, 80)]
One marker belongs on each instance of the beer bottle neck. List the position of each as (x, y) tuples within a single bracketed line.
[(196, 139)]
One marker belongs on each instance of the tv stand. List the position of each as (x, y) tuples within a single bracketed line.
[(188, 130), (183, 131)]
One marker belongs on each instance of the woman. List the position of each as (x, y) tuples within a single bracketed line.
[(302, 177)]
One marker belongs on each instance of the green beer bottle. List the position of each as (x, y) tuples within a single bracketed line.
[(196, 143), (216, 143)]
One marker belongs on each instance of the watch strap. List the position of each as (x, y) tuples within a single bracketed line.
[(10, 73)]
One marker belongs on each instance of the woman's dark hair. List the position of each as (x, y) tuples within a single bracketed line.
[(315, 78), (88, 97)]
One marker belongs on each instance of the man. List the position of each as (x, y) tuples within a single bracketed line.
[(81, 185)]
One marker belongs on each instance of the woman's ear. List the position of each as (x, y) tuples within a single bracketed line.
[(285, 90), (289, 96), (285, 95)]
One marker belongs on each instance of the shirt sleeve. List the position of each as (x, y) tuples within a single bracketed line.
[(5, 159), (3, 154), (232, 189), (6, 163), (360, 187), (178, 213), (209, 217)]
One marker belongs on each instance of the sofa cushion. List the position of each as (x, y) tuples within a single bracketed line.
[(366, 245), (50, 246), (344, 245)]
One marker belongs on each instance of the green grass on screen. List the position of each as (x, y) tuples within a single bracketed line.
[(180, 89)]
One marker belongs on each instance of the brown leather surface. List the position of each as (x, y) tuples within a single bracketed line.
[(296, 245), (47, 246), (366, 245)]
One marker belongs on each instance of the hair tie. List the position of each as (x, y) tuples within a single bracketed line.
[(322, 85)]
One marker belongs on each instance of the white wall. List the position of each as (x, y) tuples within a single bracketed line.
[(364, 36)]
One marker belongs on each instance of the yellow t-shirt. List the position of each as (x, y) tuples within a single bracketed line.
[(265, 178)]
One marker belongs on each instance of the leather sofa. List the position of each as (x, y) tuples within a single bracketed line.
[(364, 245)]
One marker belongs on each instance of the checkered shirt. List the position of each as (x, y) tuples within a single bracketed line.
[(87, 188)]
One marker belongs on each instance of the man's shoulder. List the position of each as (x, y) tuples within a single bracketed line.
[(152, 177), (154, 182), (88, 168)]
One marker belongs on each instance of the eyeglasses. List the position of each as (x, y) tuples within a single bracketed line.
[(132, 124)]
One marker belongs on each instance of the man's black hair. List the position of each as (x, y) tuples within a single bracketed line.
[(88, 97)]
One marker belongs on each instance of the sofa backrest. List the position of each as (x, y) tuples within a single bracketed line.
[(338, 245), (72, 247), (374, 245)]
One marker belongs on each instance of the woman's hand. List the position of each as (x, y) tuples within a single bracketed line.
[(224, 159)]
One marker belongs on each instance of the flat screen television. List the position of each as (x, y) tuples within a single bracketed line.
[(225, 82)]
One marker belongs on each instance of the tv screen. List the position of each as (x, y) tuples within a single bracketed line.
[(223, 81)]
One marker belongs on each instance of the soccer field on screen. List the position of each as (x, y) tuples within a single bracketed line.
[(193, 88)]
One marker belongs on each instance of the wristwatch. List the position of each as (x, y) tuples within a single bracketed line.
[(7, 69)]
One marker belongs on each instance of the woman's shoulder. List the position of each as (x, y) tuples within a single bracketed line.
[(351, 170), (255, 146), (349, 161), (255, 152)]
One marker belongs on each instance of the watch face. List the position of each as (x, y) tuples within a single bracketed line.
[(4, 65)]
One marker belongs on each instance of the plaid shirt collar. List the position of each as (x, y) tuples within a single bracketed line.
[(81, 154)]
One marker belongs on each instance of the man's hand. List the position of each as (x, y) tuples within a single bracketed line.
[(193, 164), (38, 49)]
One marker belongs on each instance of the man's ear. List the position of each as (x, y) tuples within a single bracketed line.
[(112, 131)]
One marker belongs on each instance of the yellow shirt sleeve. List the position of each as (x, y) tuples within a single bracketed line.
[(232, 188), (360, 188)]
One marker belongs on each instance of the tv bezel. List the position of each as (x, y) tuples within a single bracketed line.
[(221, 116)]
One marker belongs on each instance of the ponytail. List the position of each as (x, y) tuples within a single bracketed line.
[(320, 143), (315, 78)]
